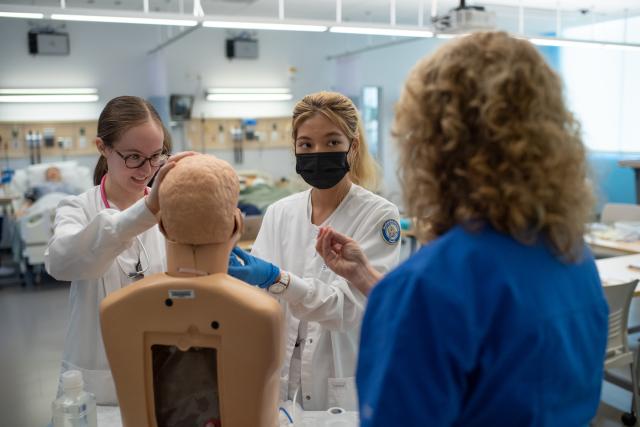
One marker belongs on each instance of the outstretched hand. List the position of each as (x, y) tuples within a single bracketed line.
[(342, 254), (345, 257)]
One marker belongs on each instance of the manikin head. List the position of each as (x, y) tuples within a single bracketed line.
[(198, 202)]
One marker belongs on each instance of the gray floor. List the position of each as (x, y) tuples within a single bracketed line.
[(32, 328)]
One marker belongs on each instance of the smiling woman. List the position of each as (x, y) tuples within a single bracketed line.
[(107, 237), (128, 127)]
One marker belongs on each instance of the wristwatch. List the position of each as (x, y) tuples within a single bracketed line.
[(281, 285)]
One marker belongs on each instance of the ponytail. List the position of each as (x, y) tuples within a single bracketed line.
[(100, 170)]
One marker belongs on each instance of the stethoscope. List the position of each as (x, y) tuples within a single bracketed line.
[(139, 273)]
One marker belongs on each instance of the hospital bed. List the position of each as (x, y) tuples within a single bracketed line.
[(35, 225)]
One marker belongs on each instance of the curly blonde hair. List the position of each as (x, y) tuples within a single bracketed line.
[(485, 137), (341, 111)]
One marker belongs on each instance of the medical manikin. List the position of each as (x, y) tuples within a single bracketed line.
[(194, 346)]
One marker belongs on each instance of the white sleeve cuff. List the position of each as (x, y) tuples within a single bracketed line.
[(298, 289)]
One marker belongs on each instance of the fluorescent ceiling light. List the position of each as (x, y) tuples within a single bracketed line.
[(49, 95), (25, 15), (583, 43), (562, 43), (246, 97), (264, 26), (378, 31), (48, 98), (446, 36), (450, 36), (52, 91), (612, 46), (125, 20), (248, 94), (277, 90)]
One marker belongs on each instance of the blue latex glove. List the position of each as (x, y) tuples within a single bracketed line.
[(234, 261), (255, 271)]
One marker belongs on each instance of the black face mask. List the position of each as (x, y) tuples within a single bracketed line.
[(322, 170)]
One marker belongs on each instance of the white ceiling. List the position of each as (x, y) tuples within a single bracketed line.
[(374, 11)]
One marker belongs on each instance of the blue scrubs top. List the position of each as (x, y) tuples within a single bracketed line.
[(477, 329)]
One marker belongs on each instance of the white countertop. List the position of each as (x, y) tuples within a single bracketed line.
[(109, 416), (616, 270)]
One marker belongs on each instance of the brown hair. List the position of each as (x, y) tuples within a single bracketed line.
[(485, 137), (340, 110), (118, 116)]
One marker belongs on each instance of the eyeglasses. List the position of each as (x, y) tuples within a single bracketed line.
[(134, 161)]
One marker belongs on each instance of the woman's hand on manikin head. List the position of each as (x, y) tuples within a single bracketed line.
[(152, 200)]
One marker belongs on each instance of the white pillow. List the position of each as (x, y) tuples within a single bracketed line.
[(84, 177), (19, 183), (36, 173)]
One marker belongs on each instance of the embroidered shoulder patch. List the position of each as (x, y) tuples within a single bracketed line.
[(391, 231)]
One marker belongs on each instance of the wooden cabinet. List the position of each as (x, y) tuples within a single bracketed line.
[(227, 134), (77, 137), (54, 138)]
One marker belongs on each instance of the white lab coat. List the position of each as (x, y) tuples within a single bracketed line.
[(87, 239), (318, 303)]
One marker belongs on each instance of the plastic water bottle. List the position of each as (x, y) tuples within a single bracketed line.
[(76, 407)]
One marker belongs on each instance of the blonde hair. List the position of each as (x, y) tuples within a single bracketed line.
[(340, 110), (485, 137)]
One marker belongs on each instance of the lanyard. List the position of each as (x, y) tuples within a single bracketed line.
[(103, 192), (139, 273)]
